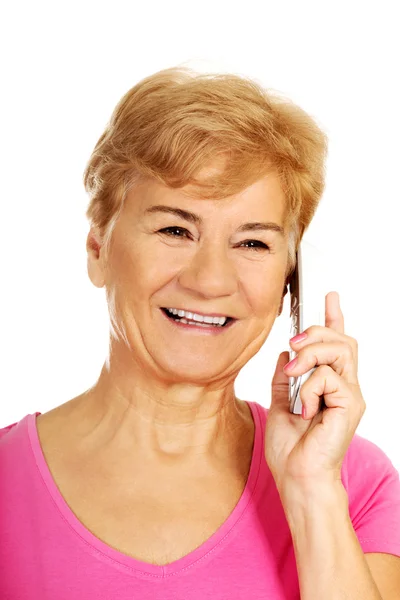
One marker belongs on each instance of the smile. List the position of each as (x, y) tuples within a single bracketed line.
[(198, 317), (221, 324)]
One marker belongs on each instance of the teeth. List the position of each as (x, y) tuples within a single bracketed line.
[(197, 323), (199, 318)]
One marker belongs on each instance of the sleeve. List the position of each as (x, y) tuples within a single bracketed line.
[(6, 429), (373, 488)]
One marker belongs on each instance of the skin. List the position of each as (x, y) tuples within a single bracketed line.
[(165, 396)]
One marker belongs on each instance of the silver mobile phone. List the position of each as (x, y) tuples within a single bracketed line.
[(307, 307)]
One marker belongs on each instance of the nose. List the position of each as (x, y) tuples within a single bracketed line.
[(210, 272)]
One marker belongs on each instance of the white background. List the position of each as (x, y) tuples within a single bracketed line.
[(65, 66)]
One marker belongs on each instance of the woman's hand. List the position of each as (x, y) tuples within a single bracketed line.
[(306, 452)]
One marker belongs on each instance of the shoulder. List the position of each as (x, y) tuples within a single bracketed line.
[(6, 429), (373, 488), (364, 453)]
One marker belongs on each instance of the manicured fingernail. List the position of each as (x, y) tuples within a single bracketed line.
[(304, 412), (291, 364), (299, 338)]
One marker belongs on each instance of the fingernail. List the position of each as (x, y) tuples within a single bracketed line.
[(299, 338), (290, 364), (304, 412)]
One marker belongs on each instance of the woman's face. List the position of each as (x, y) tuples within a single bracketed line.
[(204, 264)]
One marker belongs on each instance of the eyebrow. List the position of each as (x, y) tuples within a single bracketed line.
[(197, 220)]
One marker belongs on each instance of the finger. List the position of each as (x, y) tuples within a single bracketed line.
[(336, 391), (338, 355), (334, 318), (280, 386), (317, 333)]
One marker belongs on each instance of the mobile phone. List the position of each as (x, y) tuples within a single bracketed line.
[(307, 307)]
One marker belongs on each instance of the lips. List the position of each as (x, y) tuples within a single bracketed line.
[(208, 327), (199, 313), (176, 318)]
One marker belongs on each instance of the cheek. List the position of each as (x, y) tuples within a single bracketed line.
[(265, 299), (140, 277)]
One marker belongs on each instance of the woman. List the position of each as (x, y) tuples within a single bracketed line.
[(158, 482)]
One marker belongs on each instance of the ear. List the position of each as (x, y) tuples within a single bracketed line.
[(94, 258)]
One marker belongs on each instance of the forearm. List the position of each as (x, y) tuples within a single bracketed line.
[(330, 561)]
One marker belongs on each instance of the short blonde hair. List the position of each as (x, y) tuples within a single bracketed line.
[(174, 123)]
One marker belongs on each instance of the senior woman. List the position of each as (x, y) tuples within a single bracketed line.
[(158, 482)]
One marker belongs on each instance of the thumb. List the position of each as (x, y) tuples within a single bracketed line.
[(280, 383)]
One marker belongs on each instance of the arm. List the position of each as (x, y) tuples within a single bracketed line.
[(330, 561)]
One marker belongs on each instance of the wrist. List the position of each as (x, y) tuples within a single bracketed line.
[(311, 498)]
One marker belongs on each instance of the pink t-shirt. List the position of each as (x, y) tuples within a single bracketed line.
[(46, 553)]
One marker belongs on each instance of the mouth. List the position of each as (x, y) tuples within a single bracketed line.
[(204, 327)]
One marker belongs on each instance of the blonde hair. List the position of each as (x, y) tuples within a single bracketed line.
[(174, 123)]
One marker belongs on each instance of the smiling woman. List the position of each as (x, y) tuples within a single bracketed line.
[(153, 483)]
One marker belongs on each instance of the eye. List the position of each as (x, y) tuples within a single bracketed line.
[(168, 231), (262, 246)]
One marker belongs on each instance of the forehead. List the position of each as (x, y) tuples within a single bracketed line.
[(263, 199)]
